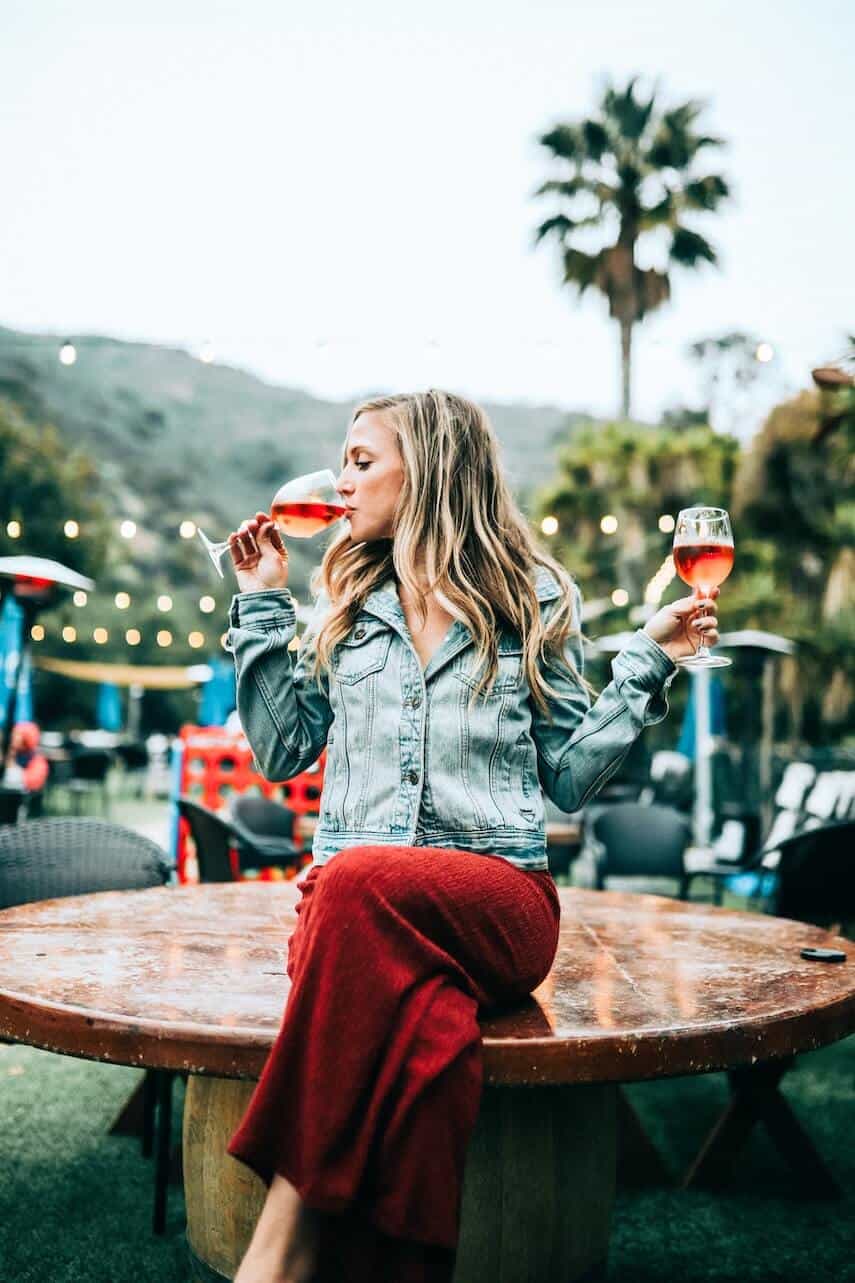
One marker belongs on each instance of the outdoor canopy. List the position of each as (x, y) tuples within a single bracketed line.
[(151, 677)]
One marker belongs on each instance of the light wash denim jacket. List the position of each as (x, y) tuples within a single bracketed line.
[(409, 761)]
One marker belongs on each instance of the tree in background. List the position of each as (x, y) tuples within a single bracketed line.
[(634, 474), (43, 484), (629, 176)]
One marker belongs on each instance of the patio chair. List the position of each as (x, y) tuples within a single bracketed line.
[(631, 840), (214, 839), (49, 859), (11, 804), (89, 770), (266, 830)]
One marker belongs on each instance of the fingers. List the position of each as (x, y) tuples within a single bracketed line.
[(246, 543)]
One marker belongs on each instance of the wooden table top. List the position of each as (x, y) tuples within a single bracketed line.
[(194, 978)]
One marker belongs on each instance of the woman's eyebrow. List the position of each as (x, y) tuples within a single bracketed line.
[(360, 449)]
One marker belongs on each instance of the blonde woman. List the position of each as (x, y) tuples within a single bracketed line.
[(442, 669)]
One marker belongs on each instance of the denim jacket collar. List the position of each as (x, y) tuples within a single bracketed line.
[(384, 603)]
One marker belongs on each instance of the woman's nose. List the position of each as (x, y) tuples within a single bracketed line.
[(342, 484)]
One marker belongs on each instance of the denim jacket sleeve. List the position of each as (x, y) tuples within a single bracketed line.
[(584, 744), (284, 713)]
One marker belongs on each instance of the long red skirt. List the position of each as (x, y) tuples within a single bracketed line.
[(369, 1097)]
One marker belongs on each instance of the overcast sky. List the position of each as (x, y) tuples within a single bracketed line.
[(339, 196)]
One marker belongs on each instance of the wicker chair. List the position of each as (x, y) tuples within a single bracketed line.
[(49, 859)]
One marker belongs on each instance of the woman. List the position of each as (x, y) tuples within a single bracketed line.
[(442, 668)]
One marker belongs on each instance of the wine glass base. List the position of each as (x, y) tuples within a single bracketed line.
[(704, 661)]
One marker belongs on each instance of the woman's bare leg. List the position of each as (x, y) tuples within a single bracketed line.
[(284, 1245)]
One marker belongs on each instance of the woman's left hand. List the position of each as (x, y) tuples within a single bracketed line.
[(683, 625)]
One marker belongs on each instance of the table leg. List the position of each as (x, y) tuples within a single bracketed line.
[(755, 1098), (537, 1195)]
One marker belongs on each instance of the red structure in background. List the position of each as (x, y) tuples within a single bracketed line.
[(216, 764)]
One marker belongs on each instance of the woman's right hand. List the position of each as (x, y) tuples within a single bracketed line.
[(259, 556)]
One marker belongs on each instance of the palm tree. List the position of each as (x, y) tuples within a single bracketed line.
[(631, 172)]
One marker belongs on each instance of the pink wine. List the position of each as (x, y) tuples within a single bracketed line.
[(703, 565), (301, 520)]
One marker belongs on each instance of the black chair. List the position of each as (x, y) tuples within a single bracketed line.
[(214, 839), (266, 831), (49, 859), (133, 757), (89, 770), (631, 840)]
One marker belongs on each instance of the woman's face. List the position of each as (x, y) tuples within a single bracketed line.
[(371, 479)]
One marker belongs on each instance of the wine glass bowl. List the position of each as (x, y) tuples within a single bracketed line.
[(703, 557), (301, 508)]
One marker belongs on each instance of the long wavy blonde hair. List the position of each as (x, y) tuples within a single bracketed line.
[(455, 521)]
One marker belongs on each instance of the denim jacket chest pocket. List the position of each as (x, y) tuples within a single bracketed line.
[(363, 651), (508, 675)]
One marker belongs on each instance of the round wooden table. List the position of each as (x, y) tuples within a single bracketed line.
[(193, 979)]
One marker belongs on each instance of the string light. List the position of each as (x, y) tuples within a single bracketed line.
[(37, 632), (132, 637), (187, 529), (128, 529), (69, 634), (67, 353), (80, 598), (164, 602), (72, 530), (196, 640), (609, 524), (666, 523), (164, 637), (207, 604), (764, 353), (549, 525), (206, 352), (620, 597), (101, 636), (13, 529), (122, 600)]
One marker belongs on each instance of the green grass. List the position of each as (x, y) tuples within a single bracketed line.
[(75, 1202)]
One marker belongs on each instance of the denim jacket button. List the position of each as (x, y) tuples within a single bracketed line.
[(413, 777), (359, 634), (416, 701)]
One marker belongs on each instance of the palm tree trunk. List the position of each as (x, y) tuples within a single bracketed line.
[(625, 366)]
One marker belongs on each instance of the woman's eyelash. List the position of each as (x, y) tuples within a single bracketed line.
[(362, 463)]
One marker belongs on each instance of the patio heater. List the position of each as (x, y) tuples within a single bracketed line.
[(35, 584)]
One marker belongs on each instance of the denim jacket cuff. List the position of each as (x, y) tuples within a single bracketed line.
[(266, 610), (646, 662)]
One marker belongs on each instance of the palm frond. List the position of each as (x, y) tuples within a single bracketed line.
[(580, 269), (559, 226), (565, 141), (570, 187), (629, 114), (689, 248), (596, 138), (705, 193)]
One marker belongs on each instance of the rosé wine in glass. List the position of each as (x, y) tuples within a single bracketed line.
[(300, 508), (703, 556)]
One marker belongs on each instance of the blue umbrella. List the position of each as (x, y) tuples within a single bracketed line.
[(11, 643), (219, 695), (109, 707)]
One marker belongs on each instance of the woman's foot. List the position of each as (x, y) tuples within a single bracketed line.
[(284, 1246)]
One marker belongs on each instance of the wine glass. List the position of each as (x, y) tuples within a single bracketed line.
[(300, 508), (703, 555)]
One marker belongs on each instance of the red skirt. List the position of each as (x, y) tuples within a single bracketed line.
[(369, 1097)]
